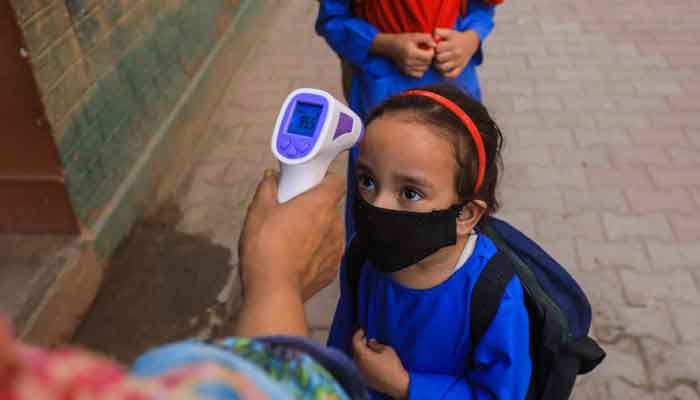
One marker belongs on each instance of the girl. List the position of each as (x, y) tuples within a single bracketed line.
[(388, 46), (426, 173)]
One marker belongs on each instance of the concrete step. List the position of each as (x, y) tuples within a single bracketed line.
[(46, 284)]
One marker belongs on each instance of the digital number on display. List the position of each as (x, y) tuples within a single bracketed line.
[(305, 119)]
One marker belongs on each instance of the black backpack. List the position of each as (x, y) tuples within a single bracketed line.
[(559, 312)]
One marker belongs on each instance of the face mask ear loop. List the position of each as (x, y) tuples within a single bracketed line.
[(460, 206)]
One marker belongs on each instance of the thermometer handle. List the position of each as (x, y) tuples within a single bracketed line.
[(297, 179)]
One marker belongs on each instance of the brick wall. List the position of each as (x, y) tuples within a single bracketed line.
[(109, 72)]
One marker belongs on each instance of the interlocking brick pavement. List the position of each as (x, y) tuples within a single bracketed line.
[(599, 104)]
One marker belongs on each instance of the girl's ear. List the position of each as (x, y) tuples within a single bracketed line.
[(470, 216)]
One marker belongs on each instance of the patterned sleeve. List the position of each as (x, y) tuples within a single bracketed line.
[(235, 368)]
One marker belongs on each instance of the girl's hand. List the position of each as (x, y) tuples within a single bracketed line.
[(454, 51), (380, 366), (411, 52)]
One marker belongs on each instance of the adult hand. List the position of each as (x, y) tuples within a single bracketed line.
[(412, 53), (380, 366), (288, 252), (454, 51)]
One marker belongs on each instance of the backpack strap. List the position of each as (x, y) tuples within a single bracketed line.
[(487, 294), (354, 261)]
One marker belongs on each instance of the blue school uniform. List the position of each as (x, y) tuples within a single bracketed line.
[(429, 329)]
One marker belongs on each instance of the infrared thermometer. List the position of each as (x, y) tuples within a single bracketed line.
[(311, 129)]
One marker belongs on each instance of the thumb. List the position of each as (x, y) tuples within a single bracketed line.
[(424, 39), (358, 342), (376, 346), (266, 193)]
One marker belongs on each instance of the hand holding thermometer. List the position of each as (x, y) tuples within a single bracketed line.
[(311, 129)]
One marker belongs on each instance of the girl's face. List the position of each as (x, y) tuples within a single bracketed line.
[(403, 165)]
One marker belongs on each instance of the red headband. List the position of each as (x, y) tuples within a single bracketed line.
[(471, 127)]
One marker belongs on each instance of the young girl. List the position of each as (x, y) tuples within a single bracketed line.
[(389, 46), (426, 173)]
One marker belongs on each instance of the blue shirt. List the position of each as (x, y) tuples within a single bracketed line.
[(429, 329), (375, 78)]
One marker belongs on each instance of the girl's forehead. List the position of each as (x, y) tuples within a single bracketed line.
[(401, 131), (400, 144)]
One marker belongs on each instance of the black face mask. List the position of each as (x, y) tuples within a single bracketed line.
[(393, 240)]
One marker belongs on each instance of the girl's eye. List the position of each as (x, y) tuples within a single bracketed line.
[(412, 195), (365, 182)]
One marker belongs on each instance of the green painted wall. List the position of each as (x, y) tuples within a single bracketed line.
[(121, 110)]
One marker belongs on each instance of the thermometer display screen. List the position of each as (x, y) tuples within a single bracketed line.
[(305, 119)]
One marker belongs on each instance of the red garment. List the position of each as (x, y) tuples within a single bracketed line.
[(404, 16)]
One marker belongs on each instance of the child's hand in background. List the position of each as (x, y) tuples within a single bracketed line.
[(411, 52), (454, 51), (380, 366)]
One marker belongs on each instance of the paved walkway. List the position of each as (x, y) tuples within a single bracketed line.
[(600, 105)]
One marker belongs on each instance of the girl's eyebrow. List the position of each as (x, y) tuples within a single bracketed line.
[(406, 179), (415, 180), (362, 166)]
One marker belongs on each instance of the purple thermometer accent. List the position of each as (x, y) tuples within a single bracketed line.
[(283, 142), (294, 145), (302, 146), (345, 123)]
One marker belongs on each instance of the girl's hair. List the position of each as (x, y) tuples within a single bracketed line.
[(427, 111)]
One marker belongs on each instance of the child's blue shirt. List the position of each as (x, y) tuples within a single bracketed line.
[(375, 78), (429, 329)]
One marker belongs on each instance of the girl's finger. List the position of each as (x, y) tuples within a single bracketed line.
[(375, 346), (446, 67), (453, 73), (415, 64), (358, 339), (444, 33), (421, 56), (418, 72), (413, 72), (445, 56), (424, 39)]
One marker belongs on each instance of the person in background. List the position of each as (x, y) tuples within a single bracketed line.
[(288, 252), (394, 45)]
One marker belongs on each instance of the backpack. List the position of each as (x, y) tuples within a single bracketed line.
[(558, 310)]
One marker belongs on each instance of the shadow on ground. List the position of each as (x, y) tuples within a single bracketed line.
[(162, 285)]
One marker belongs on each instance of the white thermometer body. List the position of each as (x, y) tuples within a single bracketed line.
[(311, 129)]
